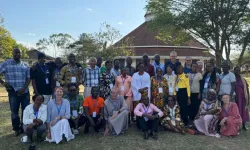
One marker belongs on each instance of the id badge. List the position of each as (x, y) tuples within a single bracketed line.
[(111, 86), (122, 88), (57, 84), (146, 119), (94, 114), (73, 79), (177, 88), (171, 90), (47, 81), (160, 90), (74, 113), (206, 85)]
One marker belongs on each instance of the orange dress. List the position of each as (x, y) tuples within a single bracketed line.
[(157, 95)]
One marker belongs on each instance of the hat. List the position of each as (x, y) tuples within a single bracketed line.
[(41, 55)]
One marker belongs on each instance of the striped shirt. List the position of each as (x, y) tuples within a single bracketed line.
[(91, 77), (15, 74)]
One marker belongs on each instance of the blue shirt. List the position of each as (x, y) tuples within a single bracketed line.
[(15, 74), (173, 66), (159, 66), (186, 69)]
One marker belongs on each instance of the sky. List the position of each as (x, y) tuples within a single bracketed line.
[(31, 20)]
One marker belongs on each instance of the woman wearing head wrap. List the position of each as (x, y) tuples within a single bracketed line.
[(207, 118)]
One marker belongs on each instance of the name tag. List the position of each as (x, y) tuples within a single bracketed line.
[(74, 113), (94, 114), (146, 119), (47, 81), (73, 79), (160, 90), (57, 84), (171, 90), (122, 88), (177, 88), (111, 86), (206, 85)]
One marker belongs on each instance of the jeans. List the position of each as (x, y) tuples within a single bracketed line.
[(15, 102), (29, 131), (147, 125)]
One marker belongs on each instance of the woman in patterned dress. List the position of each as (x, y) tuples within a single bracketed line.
[(159, 89), (107, 80), (172, 117)]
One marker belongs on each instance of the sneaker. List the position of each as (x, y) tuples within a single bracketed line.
[(75, 131)]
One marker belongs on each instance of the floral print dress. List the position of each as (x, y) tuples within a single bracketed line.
[(159, 91), (107, 81)]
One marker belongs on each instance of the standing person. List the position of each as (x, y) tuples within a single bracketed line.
[(57, 120), (213, 62), (210, 80), (116, 70), (34, 118), (187, 66), (230, 117), (242, 96), (70, 73), (17, 80), (183, 93), (227, 81), (171, 78), (123, 83), (200, 67), (107, 80), (99, 64), (140, 85), (194, 78), (116, 114), (208, 115), (147, 66), (76, 119), (90, 77), (42, 78), (131, 69), (172, 116), (157, 64), (148, 116), (94, 110), (159, 89), (57, 69), (173, 63)]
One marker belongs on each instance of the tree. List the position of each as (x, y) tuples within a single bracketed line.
[(6, 43), (56, 42), (214, 22)]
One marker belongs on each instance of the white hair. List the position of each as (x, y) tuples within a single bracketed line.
[(173, 53), (92, 59)]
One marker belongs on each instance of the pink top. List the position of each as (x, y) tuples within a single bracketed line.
[(141, 109), (126, 82)]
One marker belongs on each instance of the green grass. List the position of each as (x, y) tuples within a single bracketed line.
[(131, 140)]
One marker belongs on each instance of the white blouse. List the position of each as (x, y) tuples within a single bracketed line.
[(29, 114), (139, 82)]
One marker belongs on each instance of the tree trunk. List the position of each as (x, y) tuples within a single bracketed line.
[(244, 46)]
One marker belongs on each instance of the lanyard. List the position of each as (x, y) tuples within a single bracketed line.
[(94, 103), (227, 109), (192, 79), (59, 108), (146, 109), (141, 79), (44, 71), (116, 72), (36, 112), (123, 80)]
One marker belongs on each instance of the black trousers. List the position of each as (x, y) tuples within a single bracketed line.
[(147, 125), (182, 99), (98, 122), (195, 105), (76, 123)]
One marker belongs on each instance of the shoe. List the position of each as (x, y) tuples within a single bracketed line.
[(86, 130), (146, 135), (245, 128), (32, 147), (75, 131), (153, 134), (17, 133)]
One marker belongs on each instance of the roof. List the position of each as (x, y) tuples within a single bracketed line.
[(142, 36), (34, 53)]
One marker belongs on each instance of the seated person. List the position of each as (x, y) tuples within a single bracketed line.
[(115, 113), (58, 115), (230, 117), (94, 109), (172, 117), (207, 117), (77, 118), (148, 117), (34, 118)]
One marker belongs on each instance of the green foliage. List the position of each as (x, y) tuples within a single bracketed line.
[(6, 43)]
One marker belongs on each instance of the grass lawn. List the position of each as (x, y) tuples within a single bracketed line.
[(130, 140)]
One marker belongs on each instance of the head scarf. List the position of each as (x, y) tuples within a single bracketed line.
[(211, 95)]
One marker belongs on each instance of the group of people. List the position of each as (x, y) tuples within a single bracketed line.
[(180, 98)]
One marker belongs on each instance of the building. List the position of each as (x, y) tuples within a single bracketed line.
[(33, 55), (145, 41)]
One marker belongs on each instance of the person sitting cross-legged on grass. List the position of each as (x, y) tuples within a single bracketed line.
[(34, 118), (58, 115), (172, 117), (77, 118), (148, 117), (94, 110)]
